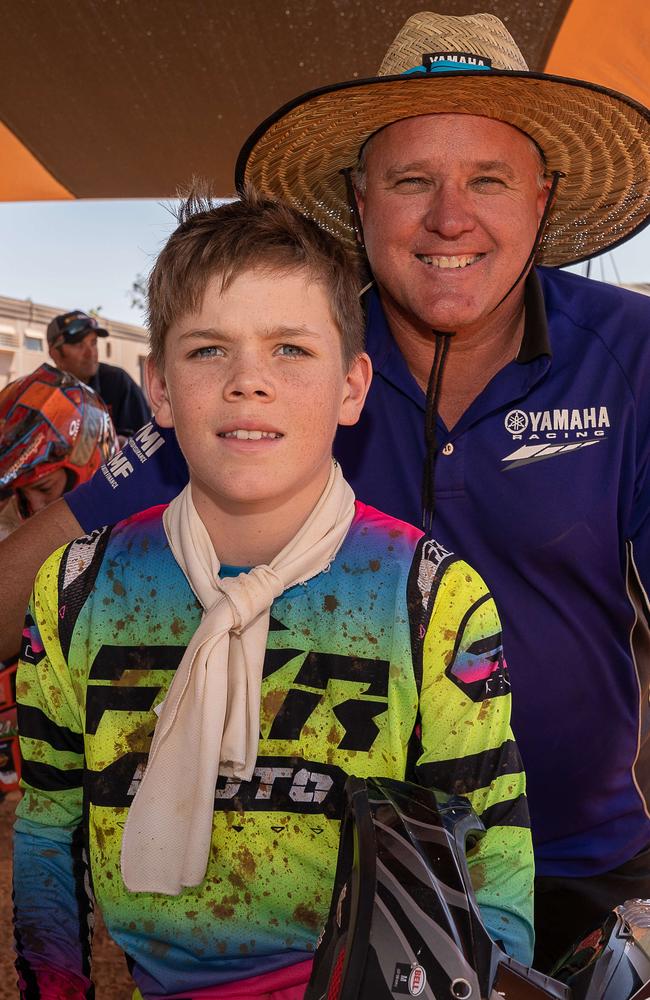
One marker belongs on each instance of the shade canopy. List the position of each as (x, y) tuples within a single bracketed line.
[(131, 98)]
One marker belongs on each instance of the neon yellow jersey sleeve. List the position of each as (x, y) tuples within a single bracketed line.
[(468, 748)]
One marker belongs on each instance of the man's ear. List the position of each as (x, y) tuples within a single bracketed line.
[(542, 197), (357, 383), (156, 386), (361, 203)]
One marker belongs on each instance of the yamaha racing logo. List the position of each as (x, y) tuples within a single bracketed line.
[(541, 434)]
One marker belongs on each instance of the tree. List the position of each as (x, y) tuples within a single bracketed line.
[(138, 293)]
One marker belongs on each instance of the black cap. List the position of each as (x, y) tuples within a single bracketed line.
[(72, 327)]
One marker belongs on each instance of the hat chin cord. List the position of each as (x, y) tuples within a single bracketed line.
[(434, 385), (442, 342)]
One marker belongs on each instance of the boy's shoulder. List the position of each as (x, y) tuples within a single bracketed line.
[(399, 539), (136, 536), (109, 564), (393, 545), (374, 527)]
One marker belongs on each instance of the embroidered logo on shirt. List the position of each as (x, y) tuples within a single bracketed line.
[(548, 433)]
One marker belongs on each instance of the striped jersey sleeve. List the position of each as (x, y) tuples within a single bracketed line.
[(53, 901), (467, 746)]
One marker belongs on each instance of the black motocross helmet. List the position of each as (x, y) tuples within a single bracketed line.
[(613, 963), (404, 921)]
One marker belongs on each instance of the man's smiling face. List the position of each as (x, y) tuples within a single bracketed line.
[(450, 211)]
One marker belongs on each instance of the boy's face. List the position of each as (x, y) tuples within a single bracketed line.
[(44, 491), (254, 385)]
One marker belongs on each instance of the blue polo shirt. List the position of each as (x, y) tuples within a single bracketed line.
[(543, 485)]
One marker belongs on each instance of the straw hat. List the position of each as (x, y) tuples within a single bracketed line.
[(467, 65)]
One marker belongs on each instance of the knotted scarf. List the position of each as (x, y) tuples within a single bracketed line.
[(209, 722)]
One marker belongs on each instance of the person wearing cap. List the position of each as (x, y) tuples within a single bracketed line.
[(72, 340), (509, 407)]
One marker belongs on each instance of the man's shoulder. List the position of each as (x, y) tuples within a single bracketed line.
[(391, 544), (605, 308), (114, 375), (595, 327)]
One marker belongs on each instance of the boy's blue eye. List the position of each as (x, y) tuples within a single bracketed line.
[(290, 350), (209, 351)]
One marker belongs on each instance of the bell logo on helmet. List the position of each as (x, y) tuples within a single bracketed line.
[(409, 979), (417, 981)]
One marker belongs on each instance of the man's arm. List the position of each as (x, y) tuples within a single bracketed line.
[(21, 555), (149, 470), (468, 749), (53, 904)]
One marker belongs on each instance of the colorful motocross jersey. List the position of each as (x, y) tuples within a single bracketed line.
[(388, 664)]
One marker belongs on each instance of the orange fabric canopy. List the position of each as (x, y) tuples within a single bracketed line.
[(115, 98)]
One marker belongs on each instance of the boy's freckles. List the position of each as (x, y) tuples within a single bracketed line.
[(255, 386)]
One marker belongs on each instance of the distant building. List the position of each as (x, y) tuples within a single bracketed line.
[(643, 287), (23, 340)]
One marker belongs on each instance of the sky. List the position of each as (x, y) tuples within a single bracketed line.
[(86, 254)]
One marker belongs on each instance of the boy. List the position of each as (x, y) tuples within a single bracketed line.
[(334, 640), (55, 433)]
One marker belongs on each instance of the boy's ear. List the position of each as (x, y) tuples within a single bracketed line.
[(156, 387), (357, 383)]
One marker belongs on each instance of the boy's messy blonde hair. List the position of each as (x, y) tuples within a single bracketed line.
[(227, 239)]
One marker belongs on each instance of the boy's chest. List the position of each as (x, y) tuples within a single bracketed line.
[(335, 700)]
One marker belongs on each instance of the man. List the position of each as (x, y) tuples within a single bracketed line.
[(72, 339), (256, 337), (537, 417)]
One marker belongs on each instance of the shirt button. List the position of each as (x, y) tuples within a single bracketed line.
[(448, 449)]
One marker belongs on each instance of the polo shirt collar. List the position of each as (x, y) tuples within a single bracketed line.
[(535, 341), (382, 347), (387, 359)]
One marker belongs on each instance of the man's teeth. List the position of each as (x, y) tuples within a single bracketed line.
[(457, 261), (250, 435)]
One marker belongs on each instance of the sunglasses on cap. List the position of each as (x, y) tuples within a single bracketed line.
[(77, 326)]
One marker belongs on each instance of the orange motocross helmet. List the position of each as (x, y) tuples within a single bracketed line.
[(48, 421)]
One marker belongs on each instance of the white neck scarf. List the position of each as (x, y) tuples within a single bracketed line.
[(209, 721)]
